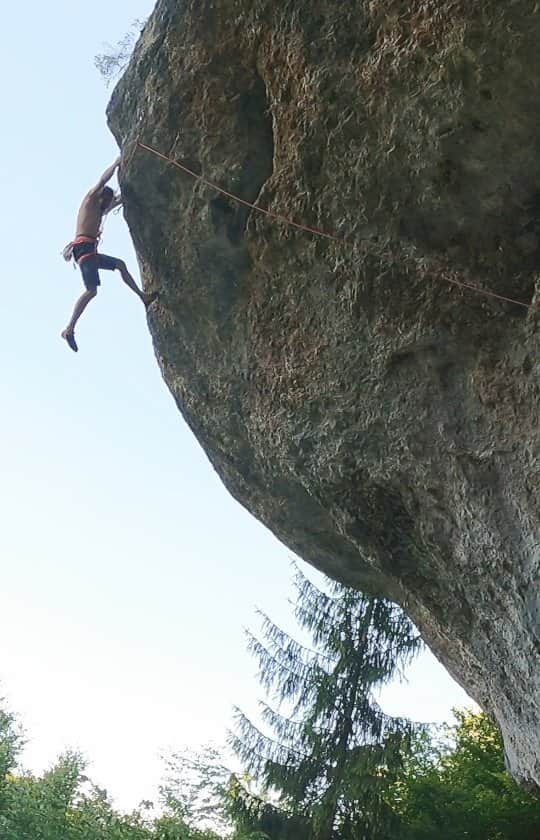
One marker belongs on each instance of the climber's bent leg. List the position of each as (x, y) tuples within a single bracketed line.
[(146, 297)]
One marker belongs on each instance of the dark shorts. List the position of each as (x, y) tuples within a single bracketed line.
[(90, 266)]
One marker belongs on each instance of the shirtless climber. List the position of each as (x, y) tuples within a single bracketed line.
[(96, 204)]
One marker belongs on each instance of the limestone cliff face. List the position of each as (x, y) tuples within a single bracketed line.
[(380, 421)]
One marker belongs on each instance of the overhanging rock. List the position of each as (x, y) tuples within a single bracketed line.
[(378, 419)]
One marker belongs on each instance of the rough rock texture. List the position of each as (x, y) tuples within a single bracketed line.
[(382, 422)]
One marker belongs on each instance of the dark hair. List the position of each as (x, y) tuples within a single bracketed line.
[(107, 196)]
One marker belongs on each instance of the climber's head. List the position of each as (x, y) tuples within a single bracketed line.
[(107, 195)]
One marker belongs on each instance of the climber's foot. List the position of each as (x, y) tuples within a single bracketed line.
[(149, 297), (69, 337)]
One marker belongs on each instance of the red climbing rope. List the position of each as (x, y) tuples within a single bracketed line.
[(316, 231), (237, 198)]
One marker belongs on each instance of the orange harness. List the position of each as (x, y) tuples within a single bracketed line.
[(84, 240), (67, 253)]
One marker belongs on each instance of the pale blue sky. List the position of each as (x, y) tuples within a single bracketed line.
[(127, 570)]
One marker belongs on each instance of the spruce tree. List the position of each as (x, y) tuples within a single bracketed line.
[(330, 752)]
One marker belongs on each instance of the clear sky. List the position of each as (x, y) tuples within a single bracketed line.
[(127, 572)]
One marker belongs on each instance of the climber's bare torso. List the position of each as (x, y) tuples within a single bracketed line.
[(89, 215)]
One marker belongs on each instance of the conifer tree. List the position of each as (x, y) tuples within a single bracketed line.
[(330, 752)]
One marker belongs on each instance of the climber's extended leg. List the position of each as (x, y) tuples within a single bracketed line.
[(146, 297), (69, 333), (88, 263)]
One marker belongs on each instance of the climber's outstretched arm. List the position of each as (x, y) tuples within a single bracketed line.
[(107, 175)]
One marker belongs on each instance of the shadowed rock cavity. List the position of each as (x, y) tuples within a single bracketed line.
[(381, 421)]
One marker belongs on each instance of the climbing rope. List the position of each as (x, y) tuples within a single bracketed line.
[(279, 218), (237, 198)]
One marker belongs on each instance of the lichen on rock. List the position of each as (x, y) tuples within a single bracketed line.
[(379, 419)]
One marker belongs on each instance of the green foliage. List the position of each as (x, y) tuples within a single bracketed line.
[(112, 62), (39, 809), (10, 745), (256, 818), (63, 805), (195, 788), (334, 753), (457, 787), (448, 784)]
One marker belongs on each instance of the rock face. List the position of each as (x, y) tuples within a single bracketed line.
[(381, 421)]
